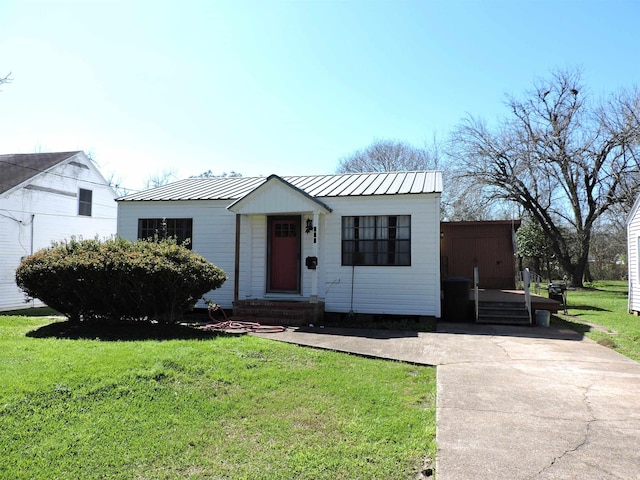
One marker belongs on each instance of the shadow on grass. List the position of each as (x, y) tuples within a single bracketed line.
[(558, 322), (121, 332), (616, 293), (587, 308)]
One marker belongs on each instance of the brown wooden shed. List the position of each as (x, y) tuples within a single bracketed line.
[(488, 245)]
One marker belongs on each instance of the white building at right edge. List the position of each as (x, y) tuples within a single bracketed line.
[(46, 197)]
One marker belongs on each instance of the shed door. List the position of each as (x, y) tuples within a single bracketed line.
[(284, 254)]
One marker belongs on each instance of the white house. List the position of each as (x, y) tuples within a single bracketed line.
[(47, 197), (361, 243), (633, 256)]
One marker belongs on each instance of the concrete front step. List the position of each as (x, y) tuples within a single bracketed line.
[(279, 312)]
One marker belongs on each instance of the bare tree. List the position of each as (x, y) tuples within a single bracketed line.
[(6, 79), (211, 174), (461, 200), (160, 178), (387, 156), (115, 182), (566, 160)]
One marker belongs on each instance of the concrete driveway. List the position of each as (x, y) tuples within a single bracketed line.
[(515, 402)]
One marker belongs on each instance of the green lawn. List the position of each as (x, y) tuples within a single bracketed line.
[(149, 407), (604, 304)]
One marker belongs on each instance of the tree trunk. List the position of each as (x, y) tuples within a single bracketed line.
[(577, 275), (582, 265), (587, 274)]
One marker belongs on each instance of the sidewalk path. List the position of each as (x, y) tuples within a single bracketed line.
[(515, 402)]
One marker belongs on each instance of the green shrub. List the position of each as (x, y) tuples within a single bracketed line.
[(118, 280)]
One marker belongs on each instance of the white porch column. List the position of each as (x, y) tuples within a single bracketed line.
[(314, 273)]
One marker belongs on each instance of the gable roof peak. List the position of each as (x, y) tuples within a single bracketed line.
[(17, 168)]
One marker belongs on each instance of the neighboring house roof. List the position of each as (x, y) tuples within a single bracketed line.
[(349, 184), (634, 209), (16, 169)]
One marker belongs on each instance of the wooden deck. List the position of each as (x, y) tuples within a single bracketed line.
[(538, 302)]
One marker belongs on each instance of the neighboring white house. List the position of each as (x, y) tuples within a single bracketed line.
[(362, 243), (47, 197), (633, 256)]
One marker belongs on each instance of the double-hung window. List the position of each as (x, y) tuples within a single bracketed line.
[(85, 200), (160, 228), (376, 240)]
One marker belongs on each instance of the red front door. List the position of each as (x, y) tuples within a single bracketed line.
[(284, 254)]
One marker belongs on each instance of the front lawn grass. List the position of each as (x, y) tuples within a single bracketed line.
[(226, 407), (604, 304)]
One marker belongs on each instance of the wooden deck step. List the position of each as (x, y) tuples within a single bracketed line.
[(503, 313)]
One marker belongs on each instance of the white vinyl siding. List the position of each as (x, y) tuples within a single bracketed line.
[(636, 259), (633, 257), (633, 249)]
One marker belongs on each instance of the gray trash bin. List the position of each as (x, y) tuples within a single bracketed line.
[(542, 318), (455, 301)]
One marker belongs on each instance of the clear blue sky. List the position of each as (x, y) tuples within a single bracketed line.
[(284, 87)]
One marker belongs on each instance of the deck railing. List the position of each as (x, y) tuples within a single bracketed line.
[(535, 279)]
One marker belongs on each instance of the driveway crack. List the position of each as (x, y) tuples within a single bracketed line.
[(499, 343), (587, 431)]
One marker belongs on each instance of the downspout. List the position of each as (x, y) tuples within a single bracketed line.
[(236, 271)]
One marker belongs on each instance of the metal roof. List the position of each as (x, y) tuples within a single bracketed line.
[(341, 185)]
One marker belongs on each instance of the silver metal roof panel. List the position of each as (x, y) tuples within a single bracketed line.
[(340, 185)]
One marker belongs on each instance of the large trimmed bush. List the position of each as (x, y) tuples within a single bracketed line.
[(118, 280)]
